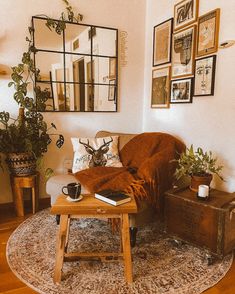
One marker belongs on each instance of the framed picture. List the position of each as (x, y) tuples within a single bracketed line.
[(112, 90), (185, 13), (162, 38), (76, 44), (183, 52), (112, 68), (208, 33), (160, 87), (182, 91), (204, 81)]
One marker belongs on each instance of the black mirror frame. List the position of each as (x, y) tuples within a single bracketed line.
[(78, 54)]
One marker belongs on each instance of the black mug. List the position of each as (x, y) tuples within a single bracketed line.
[(73, 190)]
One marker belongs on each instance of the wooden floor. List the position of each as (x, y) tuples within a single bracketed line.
[(10, 284)]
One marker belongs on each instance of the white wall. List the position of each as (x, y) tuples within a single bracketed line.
[(124, 15), (208, 122)]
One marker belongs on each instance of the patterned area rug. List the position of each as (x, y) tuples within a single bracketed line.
[(159, 266)]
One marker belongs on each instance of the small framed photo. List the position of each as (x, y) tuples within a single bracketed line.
[(160, 88), (112, 68), (204, 81), (185, 13), (208, 33), (183, 52), (112, 90), (162, 38), (182, 91), (76, 44)]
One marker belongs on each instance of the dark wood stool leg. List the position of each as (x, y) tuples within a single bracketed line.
[(57, 217), (133, 232)]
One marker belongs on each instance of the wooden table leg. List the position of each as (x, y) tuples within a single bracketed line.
[(126, 248), (67, 236), (33, 200), (18, 199), (36, 185), (60, 246)]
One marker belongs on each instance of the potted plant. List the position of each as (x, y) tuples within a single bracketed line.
[(198, 165), (25, 139)]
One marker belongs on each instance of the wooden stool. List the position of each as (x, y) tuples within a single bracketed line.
[(17, 185), (91, 207)]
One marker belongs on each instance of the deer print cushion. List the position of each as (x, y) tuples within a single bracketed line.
[(90, 152)]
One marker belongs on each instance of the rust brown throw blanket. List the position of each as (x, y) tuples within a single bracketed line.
[(146, 173)]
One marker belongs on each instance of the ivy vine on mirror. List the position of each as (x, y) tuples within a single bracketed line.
[(78, 66)]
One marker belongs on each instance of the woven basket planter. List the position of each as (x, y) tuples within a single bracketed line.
[(21, 164)]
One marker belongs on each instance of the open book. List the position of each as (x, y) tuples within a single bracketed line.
[(113, 197)]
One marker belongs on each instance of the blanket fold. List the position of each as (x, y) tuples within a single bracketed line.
[(147, 170)]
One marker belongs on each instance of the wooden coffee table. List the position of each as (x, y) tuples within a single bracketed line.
[(90, 207)]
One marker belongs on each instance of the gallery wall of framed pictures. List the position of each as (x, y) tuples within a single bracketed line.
[(183, 64)]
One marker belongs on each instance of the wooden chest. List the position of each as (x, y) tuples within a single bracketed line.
[(209, 224)]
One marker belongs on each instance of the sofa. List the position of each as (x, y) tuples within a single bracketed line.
[(146, 211)]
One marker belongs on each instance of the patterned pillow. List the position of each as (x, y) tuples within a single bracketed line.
[(92, 152)]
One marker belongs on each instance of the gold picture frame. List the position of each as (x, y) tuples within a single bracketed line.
[(208, 33), (183, 52), (160, 87), (185, 13)]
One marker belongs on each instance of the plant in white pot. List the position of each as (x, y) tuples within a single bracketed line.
[(199, 165)]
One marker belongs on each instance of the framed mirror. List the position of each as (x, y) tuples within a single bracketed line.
[(78, 68)]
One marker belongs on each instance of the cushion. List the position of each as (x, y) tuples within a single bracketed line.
[(93, 152), (122, 140)]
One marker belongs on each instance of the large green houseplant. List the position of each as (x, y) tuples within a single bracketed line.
[(25, 139), (199, 165)]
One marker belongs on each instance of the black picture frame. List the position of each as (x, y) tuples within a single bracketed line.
[(180, 96), (163, 41), (205, 69)]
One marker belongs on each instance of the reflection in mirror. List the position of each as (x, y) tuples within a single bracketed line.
[(78, 68)]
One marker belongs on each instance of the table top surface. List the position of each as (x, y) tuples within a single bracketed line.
[(90, 205), (217, 199)]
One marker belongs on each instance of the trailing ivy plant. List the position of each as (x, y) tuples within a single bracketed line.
[(30, 133)]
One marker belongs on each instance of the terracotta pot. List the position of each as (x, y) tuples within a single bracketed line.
[(200, 180), (21, 164)]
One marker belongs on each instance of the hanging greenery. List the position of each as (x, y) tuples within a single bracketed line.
[(29, 132)]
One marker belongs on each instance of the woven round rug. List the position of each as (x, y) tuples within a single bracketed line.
[(159, 266)]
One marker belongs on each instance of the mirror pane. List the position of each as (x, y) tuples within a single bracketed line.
[(45, 96), (104, 69), (105, 97), (76, 39), (61, 94), (78, 67), (104, 41), (46, 39), (80, 97), (53, 68)]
